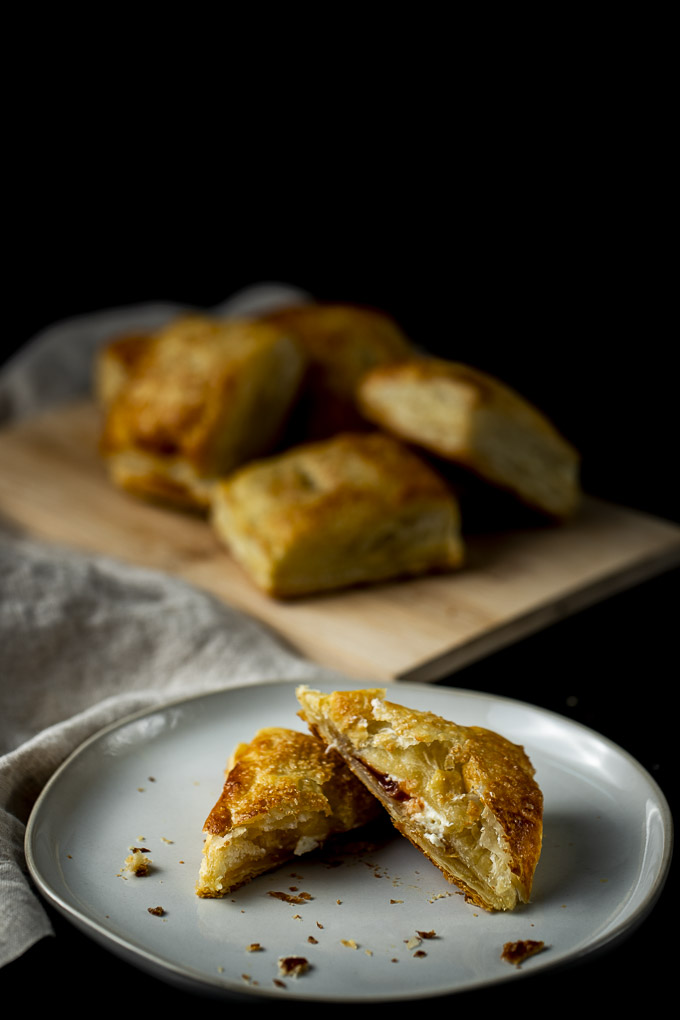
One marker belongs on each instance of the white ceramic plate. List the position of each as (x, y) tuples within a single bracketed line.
[(151, 781)]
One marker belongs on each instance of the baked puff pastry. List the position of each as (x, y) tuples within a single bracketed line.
[(465, 796), (350, 510), (114, 364), (470, 418), (204, 396), (284, 795), (341, 342)]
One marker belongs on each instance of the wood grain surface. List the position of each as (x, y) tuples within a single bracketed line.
[(53, 486)]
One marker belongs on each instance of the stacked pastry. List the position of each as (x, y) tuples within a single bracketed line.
[(315, 439)]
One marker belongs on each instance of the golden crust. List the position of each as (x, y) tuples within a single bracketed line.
[(204, 396), (353, 509), (465, 796), (473, 419), (114, 364), (341, 343), (284, 795)]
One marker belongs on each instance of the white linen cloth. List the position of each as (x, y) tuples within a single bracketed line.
[(85, 640)]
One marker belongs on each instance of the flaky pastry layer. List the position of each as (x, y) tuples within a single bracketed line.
[(472, 419), (341, 342), (465, 796), (354, 509), (203, 396), (283, 796)]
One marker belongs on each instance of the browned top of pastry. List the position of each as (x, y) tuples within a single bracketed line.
[(114, 364), (308, 486), (502, 776), (194, 374), (341, 343), (282, 768), (344, 340)]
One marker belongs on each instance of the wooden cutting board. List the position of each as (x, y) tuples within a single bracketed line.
[(53, 486)]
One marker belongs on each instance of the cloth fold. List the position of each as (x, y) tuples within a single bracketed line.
[(86, 640)]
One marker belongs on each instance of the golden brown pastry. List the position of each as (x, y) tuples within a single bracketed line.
[(205, 396), (350, 510), (284, 795), (472, 419), (341, 343), (114, 364), (465, 796)]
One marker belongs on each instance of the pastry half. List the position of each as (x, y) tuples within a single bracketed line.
[(204, 396), (474, 420), (465, 796), (350, 510), (284, 795), (341, 342)]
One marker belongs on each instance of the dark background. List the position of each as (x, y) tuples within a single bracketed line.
[(554, 282)]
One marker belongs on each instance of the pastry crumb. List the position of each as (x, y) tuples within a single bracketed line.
[(302, 897), (254, 947), (427, 934), (350, 943), (156, 911), (517, 952), (137, 863), (293, 966)]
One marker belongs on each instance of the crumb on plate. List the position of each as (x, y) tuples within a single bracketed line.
[(136, 862), (517, 952), (293, 966)]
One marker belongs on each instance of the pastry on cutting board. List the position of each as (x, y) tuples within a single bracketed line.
[(284, 795), (204, 396), (114, 363), (472, 419), (354, 509), (341, 343), (465, 796)]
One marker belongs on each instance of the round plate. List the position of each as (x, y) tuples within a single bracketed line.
[(152, 779)]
